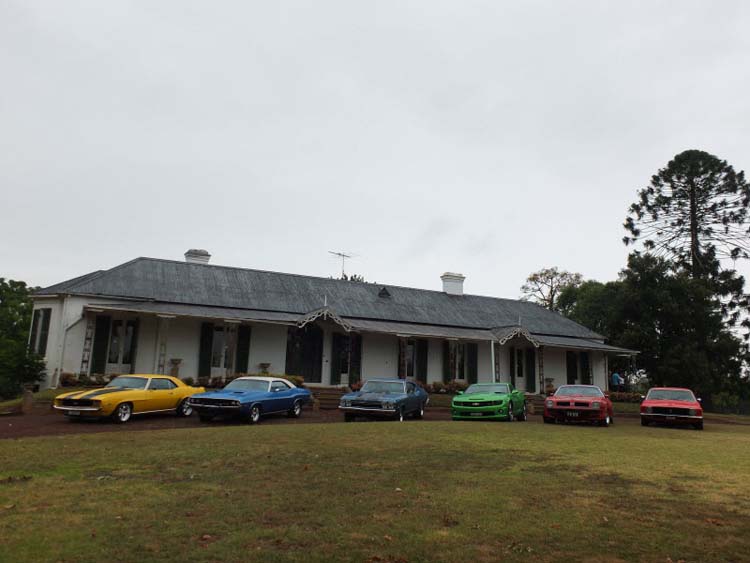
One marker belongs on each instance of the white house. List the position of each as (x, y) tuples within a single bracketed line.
[(194, 319)]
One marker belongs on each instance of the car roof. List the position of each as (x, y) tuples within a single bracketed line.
[(263, 378), (670, 389), (386, 379)]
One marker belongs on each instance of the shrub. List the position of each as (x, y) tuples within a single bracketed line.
[(215, 383), (18, 368), (296, 380), (356, 386), (68, 379), (725, 402), (203, 381), (188, 381), (623, 397)]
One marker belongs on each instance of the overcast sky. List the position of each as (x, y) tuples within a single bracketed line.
[(488, 138)]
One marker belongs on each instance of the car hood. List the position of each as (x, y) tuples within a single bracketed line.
[(374, 396), (95, 393), (671, 404), (231, 395), (481, 397), (581, 397)]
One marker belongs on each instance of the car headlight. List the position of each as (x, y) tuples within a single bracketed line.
[(346, 403), (550, 403), (692, 412), (596, 405), (649, 410), (387, 405), (236, 403)]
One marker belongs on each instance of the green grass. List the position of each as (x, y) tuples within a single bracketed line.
[(46, 395), (430, 491)]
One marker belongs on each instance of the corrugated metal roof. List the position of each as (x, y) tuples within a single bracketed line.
[(170, 281), (579, 343), (426, 331), (199, 311)]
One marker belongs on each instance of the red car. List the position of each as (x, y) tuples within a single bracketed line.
[(578, 403), (672, 405)]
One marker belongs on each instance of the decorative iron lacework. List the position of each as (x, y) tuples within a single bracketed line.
[(508, 333), (324, 313)]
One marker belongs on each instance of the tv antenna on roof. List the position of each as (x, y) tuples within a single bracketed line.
[(343, 256)]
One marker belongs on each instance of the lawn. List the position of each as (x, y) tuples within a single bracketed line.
[(46, 395), (418, 491)]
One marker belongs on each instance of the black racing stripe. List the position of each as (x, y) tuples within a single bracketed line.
[(97, 392)]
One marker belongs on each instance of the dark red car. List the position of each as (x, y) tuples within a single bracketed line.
[(672, 405), (578, 403)]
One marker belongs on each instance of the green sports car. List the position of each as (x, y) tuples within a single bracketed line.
[(489, 401)]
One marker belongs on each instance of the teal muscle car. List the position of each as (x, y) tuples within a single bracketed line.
[(489, 401)]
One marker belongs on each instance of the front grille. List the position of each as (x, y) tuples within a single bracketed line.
[(563, 403), (577, 404), (478, 403), (77, 402), (212, 402), (366, 404), (474, 414), (670, 410)]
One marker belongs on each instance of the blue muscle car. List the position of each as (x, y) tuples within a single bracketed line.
[(251, 398), (390, 398)]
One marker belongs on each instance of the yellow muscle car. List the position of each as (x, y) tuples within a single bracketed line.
[(128, 395)]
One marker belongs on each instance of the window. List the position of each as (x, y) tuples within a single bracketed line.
[(279, 386), (40, 331), (410, 388), (161, 384), (219, 349)]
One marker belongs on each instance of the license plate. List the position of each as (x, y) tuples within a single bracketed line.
[(671, 418), (74, 413), (475, 414), (572, 414)]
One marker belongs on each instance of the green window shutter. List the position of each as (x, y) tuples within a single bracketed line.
[(204, 356), (355, 358), (447, 375), (531, 370), (243, 349), (101, 343), (134, 345), (34, 329), (422, 360), (472, 351)]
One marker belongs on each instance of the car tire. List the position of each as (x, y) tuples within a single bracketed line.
[(419, 413), (184, 409), (523, 416), (606, 421), (349, 417), (400, 415), (122, 413), (548, 420), (296, 410), (511, 416), (645, 422), (205, 417), (698, 425), (254, 416)]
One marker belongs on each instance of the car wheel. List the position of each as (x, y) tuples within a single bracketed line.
[(122, 413), (698, 425), (511, 416), (185, 409), (419, 414), (348, 417), (254, 416), (548, 420), (400, 415), (205, 417), (644, 422), (296, 409), (606, 421), (522, 416)]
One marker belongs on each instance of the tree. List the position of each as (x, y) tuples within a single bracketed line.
[(353, 277), (694, 213), (545, 286), (17, 365)]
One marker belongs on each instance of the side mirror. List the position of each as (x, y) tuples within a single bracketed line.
[(643, 397), (700, 400)]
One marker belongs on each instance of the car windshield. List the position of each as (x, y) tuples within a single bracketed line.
[(671, 395), (582, 390), (128, 382), (247, 385), (500, 388), (383, 387)]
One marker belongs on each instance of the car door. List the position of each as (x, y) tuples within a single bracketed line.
[(282, 396), (412, 397), (514, 398), (161, 394)]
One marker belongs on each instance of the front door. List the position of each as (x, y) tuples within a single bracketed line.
[(304, 352), (121, 349), (161, 394)]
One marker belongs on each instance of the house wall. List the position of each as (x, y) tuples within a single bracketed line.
[(434, 360), (379, 356), (268, 345)]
